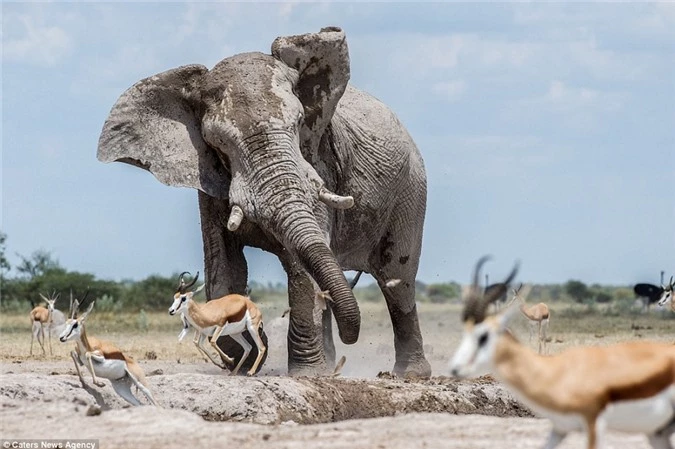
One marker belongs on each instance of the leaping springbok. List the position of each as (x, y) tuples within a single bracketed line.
[(103, 359), (628, 387), (41, 318), (229, 315), (538, 316), (667, 295)]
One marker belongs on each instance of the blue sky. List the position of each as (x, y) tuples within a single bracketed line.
[(548, 130)]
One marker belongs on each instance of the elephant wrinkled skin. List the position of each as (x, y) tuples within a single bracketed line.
[(289, 158)]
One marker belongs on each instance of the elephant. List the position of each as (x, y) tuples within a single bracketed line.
[(288, 157)]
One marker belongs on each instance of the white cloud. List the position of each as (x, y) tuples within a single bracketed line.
[(451, 90), (563, 98), (495, 157), (132, 62), (580, 108), (27, 40), (286, 9), (457, 50)]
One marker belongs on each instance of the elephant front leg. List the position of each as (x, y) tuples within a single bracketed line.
[(225, 266), (305, 343)]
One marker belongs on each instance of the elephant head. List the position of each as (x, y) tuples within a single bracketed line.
[(244, 132)]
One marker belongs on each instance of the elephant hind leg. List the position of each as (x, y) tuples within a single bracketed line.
[(394, 268)]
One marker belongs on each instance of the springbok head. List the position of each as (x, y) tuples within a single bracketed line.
[(50, 301), (180, 298), (481, 331), (74, 324), (667, 294)]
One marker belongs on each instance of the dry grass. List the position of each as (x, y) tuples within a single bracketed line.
[(148, 335)]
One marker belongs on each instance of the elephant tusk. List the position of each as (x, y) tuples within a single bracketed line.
[(236, 215), (335, 200)]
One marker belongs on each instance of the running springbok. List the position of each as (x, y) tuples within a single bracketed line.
[(628, 387), (103, 359), (229, 315), (667, 295), (40, 319), (538, 315)]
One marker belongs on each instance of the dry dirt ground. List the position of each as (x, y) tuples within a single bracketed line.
[(44, 400), (40, 397)]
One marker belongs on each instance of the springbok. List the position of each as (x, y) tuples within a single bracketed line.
[(229, 315), (628, 387), (103, 359), (538, 316), (42, 318), (667, 295)]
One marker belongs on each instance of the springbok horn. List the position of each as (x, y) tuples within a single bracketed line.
[(192, 282), (334, 200), (181, 282), (43, 297), (236, 215), (72, 310), (476, 272), (473, 307), (85, 296), (493, 295)]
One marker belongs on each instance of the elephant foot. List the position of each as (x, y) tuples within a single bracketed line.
[(414, 367)]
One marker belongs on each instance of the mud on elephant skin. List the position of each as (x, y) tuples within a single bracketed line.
[(290, 158)]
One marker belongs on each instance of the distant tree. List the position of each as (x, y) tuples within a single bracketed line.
[(603, 297), (4, 263), (577, 290), (38, 263), (443, 292), (152, 293), (555, 291), (59, 280)]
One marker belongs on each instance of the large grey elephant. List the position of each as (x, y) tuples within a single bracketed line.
[(289, 158)]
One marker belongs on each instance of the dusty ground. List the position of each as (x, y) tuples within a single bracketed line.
[(200, 405), (269, 412)]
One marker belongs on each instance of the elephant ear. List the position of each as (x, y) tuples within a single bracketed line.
[(154, 125), (322, 62)]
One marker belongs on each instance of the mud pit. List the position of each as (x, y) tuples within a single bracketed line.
[(272, 412)]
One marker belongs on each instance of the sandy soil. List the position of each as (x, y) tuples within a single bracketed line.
[(202, 407)]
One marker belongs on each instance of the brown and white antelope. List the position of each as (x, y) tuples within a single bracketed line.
[(229, 315), (43, 319), (103, 359), (667, 295), (628, 387), (538, 316)]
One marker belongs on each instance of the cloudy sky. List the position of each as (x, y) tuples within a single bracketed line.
[(548, 130)]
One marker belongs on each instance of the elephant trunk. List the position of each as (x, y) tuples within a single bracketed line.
[(320, 262), (283, 199)]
